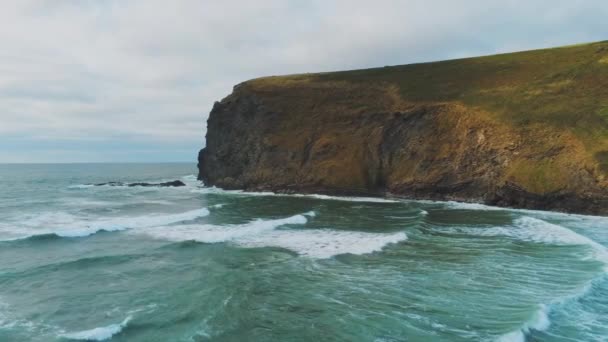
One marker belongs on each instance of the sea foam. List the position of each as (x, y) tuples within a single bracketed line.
[(539, 322), (67, 225), (314, 243), (215, 190), (535, 230), (98, 334)]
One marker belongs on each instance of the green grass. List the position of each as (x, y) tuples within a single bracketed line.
[(563, 87), (553, 99)]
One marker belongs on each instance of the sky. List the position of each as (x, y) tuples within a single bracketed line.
[(134, 80)]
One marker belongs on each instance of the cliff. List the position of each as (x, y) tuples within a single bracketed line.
[(526, 130)]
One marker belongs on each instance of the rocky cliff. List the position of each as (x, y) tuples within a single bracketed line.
[(526, 130)]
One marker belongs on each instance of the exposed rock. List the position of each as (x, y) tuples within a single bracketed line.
[(174, 183), (370, 133)]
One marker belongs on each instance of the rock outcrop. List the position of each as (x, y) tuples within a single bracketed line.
[(525, 130), (174, 183)]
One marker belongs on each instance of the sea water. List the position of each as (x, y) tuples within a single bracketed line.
[(196, 263)]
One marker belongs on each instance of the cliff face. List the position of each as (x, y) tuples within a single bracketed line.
[(525, 130)]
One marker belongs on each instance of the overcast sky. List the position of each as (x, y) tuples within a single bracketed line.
[(88, 81)]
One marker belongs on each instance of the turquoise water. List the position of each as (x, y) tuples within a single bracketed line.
[(79, 262)]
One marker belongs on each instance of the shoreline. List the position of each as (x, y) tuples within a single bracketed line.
[(390, 197)]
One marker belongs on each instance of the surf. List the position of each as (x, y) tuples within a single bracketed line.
[(99, 333), (259, 233), (68, 225)]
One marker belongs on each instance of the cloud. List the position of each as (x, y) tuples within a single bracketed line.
[(146, 72)]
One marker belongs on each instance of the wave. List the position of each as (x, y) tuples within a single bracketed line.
[(70, 226), (80, 186), (347, 198), (212, 233), (191, 181), (325, 243), (538, 322), (98, 334), (539, 231), (9, 320), (215, 190), (535, 230), (469, 206), (314, 243)]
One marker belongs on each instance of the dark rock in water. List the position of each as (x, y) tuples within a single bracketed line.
[(110, 184), (174, 183)]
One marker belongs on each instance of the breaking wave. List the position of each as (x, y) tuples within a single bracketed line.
[(539, 322), (535, 230), (314, 243), (67, 225), (98, 334), (215, 190), (191, 181)]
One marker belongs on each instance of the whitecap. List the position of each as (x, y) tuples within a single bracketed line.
[(469, 206), (348, 198), (314, 243), (67, 225), (8, 320), (98, 334), (84, 202), (151, 220), (539, 321), (190, 179), (324, 243), (535, 230), (81, 186), (212, 233), (160, 202), (539, 231), (216, 190)]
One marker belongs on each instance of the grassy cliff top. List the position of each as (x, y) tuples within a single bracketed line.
[(564, 89)]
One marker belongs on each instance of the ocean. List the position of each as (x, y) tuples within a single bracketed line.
[(196, 263)]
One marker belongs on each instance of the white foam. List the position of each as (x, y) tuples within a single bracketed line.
[(98, 334), (536, 230), (314, 243), (4, 321), (150, 221), (348, 198), (324, 243), (81, 186), (212, 233), (538, 322), (215, 190), (161, 202), (470, 206), (85, 202), (68, 225), (190, 178), (9, 321)]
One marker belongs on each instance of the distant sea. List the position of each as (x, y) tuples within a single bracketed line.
[(196, 263)]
